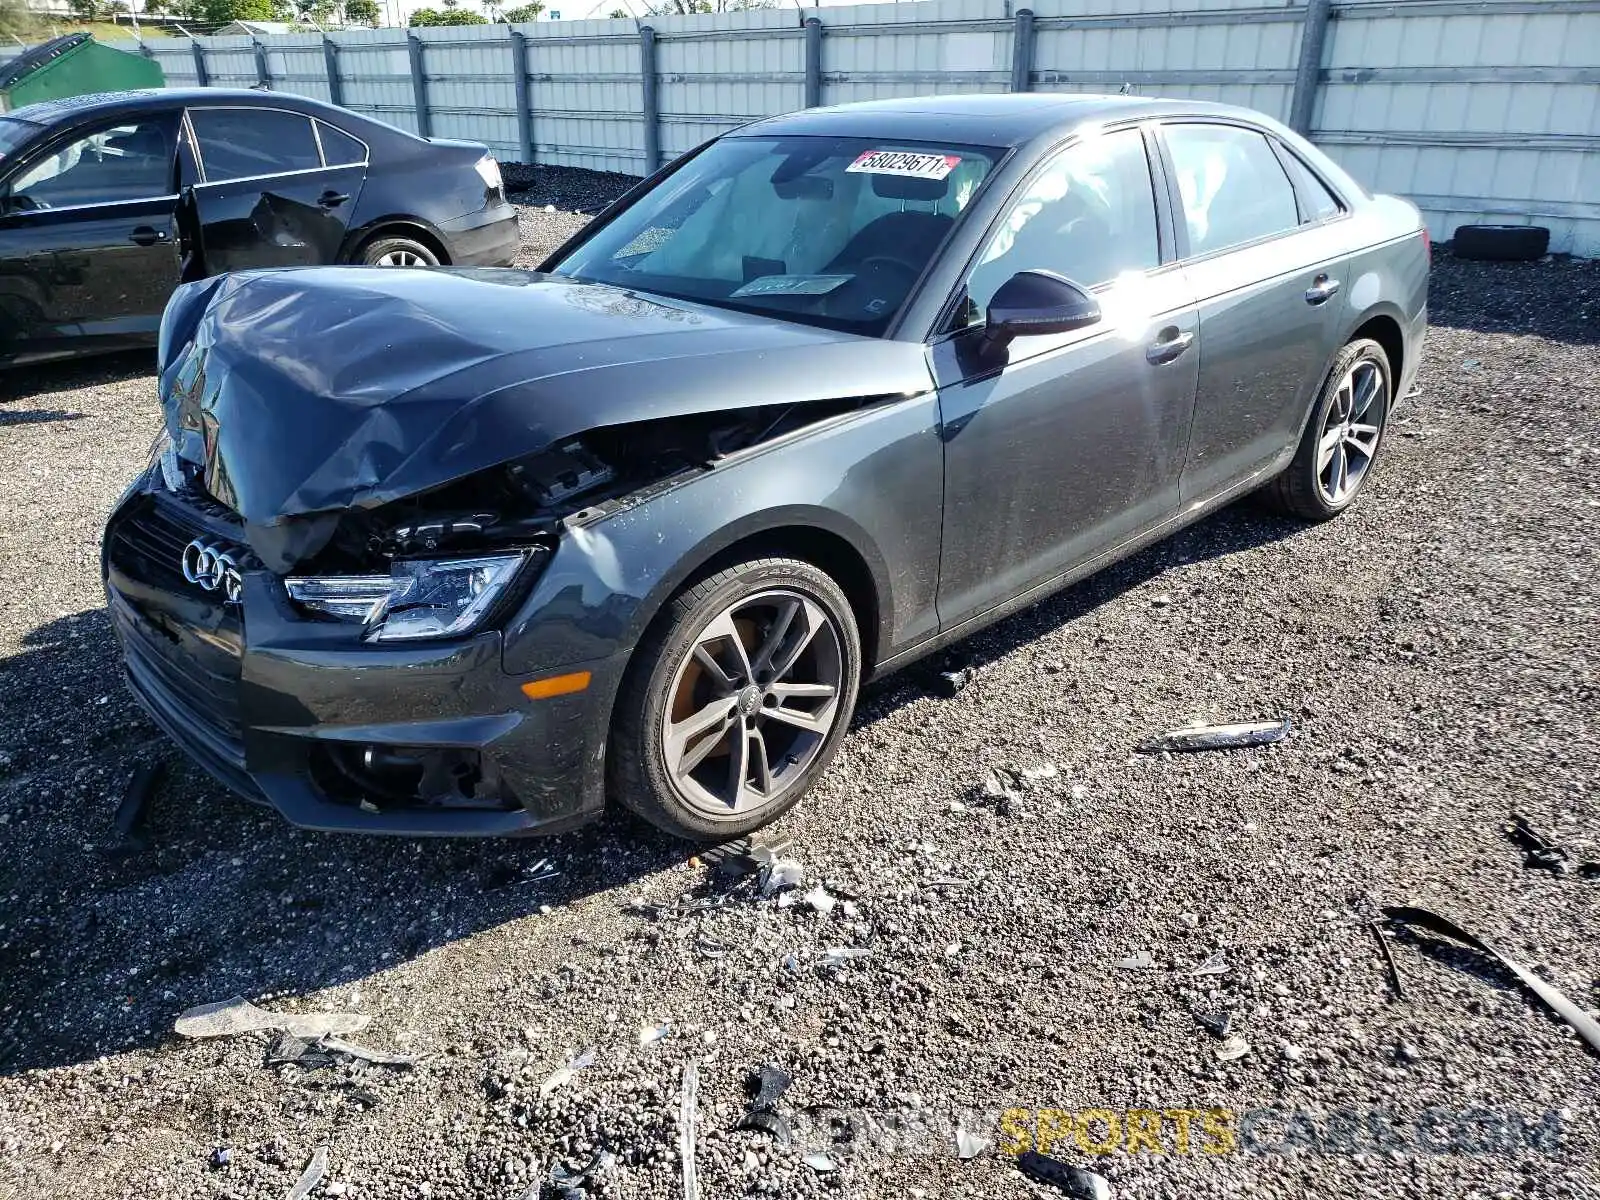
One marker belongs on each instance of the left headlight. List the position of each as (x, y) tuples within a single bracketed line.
[(419, 598)]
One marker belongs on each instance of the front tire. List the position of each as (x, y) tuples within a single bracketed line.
[(737, 700), (1341, 441)]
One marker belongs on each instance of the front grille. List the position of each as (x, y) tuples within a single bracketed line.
[(182, 646)]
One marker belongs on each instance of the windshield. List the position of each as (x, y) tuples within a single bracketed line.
[(13, 133), (826, 231)]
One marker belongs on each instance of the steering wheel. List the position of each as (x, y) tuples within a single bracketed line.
[(848, 300)]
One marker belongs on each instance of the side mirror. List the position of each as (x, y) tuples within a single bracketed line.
[(1031, 303)]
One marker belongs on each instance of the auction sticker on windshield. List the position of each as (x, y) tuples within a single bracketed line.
[(905, 162)]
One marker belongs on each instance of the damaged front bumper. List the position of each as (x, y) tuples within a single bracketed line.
[(417, 739)]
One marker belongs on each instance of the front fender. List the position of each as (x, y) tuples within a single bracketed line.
[(872, 479)]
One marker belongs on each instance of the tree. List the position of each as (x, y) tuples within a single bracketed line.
[(16, 22), (363, 12), (448, 16), (619, 14), (523, 12)]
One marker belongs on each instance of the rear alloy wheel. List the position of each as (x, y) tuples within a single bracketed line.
[(1341, 441), (398, 252), (737, 701)]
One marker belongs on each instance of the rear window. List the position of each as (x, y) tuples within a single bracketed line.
[(339, 149), (240, 143), (13, 134)]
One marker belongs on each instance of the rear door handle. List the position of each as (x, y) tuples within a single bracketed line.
[(1168, 346), (144, 235), (332, 199), (1322, 289)]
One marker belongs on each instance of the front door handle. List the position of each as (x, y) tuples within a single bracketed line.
[(145, 235), (332, 199), (1168, 346), (1322, 289)]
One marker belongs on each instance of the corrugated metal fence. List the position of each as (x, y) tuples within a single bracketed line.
[(1479, 110)]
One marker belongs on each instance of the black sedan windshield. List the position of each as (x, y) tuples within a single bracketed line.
[(825, 231)]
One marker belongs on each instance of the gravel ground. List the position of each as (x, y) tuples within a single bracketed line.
[(1436, 649)]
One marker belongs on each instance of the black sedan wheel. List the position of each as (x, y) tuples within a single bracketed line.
[(1341, 441), (398, 252), (737, 701)]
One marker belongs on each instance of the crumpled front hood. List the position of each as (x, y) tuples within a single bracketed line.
[(322, 389)]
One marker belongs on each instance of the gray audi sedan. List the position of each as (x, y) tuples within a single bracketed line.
[(472, 551)]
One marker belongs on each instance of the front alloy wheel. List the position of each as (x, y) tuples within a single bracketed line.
[(737, 702)]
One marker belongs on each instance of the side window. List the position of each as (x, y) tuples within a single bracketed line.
[(236, 143), (132, 161), (1319, 202), (1233, 187), (1088, 214), (339, 149)]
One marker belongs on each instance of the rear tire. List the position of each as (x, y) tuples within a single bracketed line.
[(398, 252), (1342, 439), (736, 700), (1501, 243)]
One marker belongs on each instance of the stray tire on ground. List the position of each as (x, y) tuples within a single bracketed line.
[(1501, 243)]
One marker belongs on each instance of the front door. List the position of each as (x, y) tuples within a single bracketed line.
[(1268, 271), (272, 192), (1064, 446), (88, 251)]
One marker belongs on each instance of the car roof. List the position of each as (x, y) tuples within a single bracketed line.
[(982, 120), (73, 108)]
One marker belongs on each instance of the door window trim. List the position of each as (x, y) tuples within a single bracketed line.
[(1301, 200), (1181, 228), (75, 133), (316, 136)]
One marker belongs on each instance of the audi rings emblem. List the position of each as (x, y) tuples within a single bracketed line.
[(210, 565)]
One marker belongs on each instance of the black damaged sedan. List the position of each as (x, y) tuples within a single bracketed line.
[(469, 552)]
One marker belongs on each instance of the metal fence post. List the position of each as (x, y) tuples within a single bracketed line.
[(263, 78), (652, 110), (519, 64), (419, 86), (201, 76), (330, 64), (813, 62), (1313, 35), (1022, 51)]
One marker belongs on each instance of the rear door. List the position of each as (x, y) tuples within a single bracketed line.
[(276, 187), (87, 244), (1268, 269)]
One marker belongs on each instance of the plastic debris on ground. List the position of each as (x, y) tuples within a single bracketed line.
[(1233, 1047), (508, 876), (746, 855), (220, 1157), (1388, 958), (950, 683), (838, 956), (128, 821), (230, 1018), (1074, 1181), (1217, 964), (1216, 737), (969, 1145), (310, 1054), (818, 900), (1143, 960), (1585, 1025), (766, 1088), (563, 1076), (688, 1115), (311, 1176), (820, 1162), (570, 1184), (1216, 1024), (651, 1034), (780, 875), (1541, 854)]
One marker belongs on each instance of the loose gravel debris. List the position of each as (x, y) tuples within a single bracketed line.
[(1436, 648)]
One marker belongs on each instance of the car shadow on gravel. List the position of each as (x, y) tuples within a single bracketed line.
[(109, 940), (104, 941), (29, 382)]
